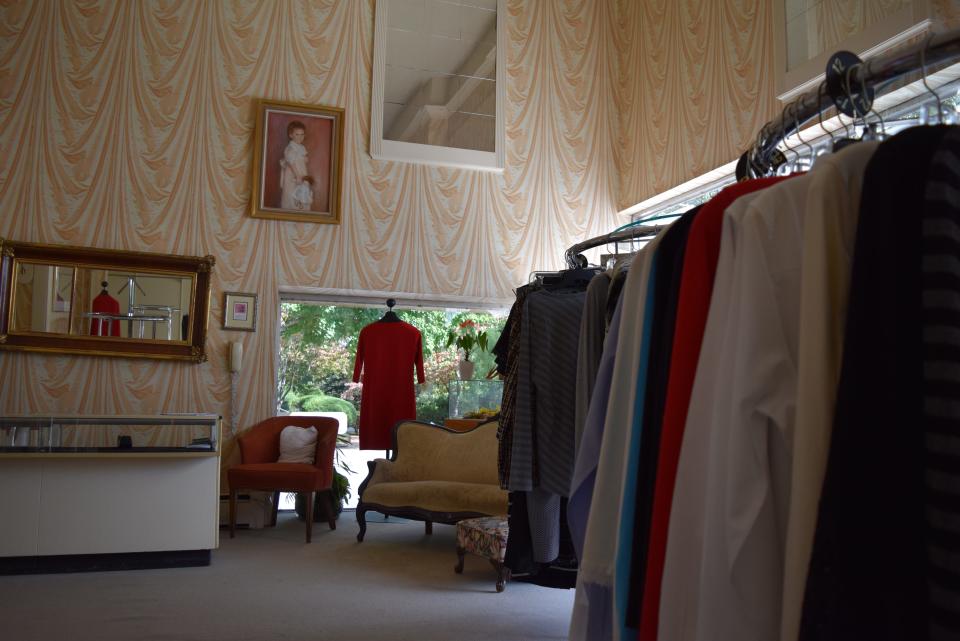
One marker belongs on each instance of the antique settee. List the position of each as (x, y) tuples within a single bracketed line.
[(435, 474)]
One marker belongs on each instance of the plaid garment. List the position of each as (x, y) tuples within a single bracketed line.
[(508, 405)]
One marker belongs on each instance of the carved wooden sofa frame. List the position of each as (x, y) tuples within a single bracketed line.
[(483, 475)]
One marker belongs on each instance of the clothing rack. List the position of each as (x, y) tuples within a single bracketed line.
[(849, 86), (575, 258)]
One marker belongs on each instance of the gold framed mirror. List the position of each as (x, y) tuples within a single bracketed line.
[(80, 300)]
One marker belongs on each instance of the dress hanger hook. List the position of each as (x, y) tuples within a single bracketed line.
[(923, 69)]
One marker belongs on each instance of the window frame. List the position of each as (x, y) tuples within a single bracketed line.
[(893, 31), (393, 150)]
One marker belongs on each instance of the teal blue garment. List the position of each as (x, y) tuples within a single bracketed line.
[(621, 588)]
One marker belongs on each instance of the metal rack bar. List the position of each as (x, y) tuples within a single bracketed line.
[(573, 253), (877, 73)]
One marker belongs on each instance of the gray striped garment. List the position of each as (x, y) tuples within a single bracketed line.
[(941, 387), (542, 459), (544, 433)]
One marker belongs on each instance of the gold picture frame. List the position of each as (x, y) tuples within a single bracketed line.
[(297, 162), (74, 332), (240, 311)]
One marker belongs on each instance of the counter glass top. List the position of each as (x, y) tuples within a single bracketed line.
[(90, 434)]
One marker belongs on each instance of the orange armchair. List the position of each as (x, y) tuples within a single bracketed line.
[(259, 470)]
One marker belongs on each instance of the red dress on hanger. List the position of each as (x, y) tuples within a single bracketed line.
[(105, 304), (387, 353)]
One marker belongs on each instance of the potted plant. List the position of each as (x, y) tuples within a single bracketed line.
[(466, 335), (340, 487)]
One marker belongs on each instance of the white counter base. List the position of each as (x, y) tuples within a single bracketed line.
[(108, 504)]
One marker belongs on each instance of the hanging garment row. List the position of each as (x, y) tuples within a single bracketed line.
[(537, 355), (771, 448), (542, 355)]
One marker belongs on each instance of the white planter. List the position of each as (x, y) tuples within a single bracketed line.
[(466, 370)]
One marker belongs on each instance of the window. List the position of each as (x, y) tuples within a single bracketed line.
[(808, 32), (437, 88), (318, 342)]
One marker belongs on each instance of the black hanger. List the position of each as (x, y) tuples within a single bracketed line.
[(104, 284), (390, 316), (570, 278)]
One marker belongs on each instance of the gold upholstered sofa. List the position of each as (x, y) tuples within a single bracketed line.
[(435, 474)]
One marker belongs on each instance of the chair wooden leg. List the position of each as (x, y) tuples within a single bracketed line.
[(330, 505), (233, 511), (276, 506), (428, 527), (458, 568), (310, 496)]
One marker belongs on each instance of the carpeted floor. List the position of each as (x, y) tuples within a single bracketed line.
[(397, 585)]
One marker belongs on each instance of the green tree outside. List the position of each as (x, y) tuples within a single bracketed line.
[(318, 344)]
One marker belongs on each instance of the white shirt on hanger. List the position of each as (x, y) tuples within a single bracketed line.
[(723, 572), (829, 235)]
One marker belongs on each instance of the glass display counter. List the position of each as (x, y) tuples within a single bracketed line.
[(108, 492), (121, 435)]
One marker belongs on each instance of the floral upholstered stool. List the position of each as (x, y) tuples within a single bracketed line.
[(486, 537)]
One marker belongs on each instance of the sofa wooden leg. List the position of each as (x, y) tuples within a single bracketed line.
[(233, 511), (362, 522), (428, 527), (276, 506), (310, 498), (460, 554)]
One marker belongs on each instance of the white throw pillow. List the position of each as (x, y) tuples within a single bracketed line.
[(298, 445)]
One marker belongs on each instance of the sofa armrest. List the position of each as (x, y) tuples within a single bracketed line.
[(381, 471)]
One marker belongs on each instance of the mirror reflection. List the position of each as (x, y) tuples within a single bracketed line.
[(440, 78), (103, 302), (112, 303)]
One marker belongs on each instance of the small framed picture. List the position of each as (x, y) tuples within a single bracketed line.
[(240, 311)]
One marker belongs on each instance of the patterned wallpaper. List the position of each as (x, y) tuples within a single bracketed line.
[(696, 80), (946, 12), (128, 125)]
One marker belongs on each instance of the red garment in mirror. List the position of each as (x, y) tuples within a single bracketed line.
[(105, 304)]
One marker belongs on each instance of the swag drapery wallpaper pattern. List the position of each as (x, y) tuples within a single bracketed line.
[(696, 83), (128, 125), (696, 80)]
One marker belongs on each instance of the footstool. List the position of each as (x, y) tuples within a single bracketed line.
[(486, 537)]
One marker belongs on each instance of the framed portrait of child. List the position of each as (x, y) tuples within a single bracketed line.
[(297, 162)]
